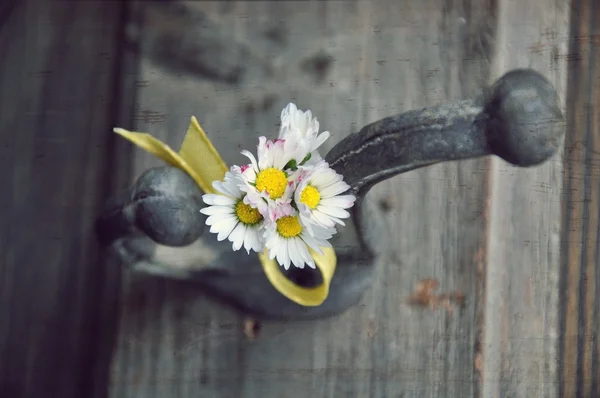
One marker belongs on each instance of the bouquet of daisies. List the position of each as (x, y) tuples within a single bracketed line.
[(286, 200)]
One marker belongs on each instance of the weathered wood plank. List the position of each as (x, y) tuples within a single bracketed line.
[(57, 300), (580, 277), (352, 63), (521, 322), (173, 342)]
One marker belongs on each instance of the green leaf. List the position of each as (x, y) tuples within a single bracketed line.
[(292, 164), (306, 158)]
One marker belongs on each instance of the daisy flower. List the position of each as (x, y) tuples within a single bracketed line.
[(301, 130), (318, 196), (230, 217), (266, 184), (287, 239)]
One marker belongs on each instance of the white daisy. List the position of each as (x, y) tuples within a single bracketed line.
[(230, 217), (317, 196), (301, 130), (287, 239), (266, 183)]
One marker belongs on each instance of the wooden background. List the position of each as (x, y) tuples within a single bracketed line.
[(520, 245)]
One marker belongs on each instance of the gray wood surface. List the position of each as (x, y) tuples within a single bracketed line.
[(455, 224), (521, 321), (479, 230), (580, 274), (59, 62)]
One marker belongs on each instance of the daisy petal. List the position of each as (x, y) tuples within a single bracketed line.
[(323, 233), (257, 242), (322, 219), (228, 188), (252, 159), (310, 262), (281, 256), (237, 236), (295, 254), (321, 138), (213, 210), (286, 254), (337, 220), (344, 201), (219, 200), (323, 179), (306, 223), (334, 211), (226, 230), (313, 243), (217, 220), (249, 239), (334, 189)]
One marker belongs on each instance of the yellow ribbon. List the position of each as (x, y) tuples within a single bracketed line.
[(199, 158)]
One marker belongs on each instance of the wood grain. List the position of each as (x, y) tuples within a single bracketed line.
[(521, 327), (580, 279), (58, 75)]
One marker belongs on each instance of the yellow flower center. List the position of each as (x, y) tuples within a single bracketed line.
[(273, 181), (289, 226), (310, 196), (247, 214)]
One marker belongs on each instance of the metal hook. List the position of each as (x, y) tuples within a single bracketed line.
[(156, 226)]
